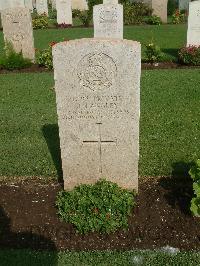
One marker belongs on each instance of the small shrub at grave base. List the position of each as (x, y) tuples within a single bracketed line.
[(153, 53), (178, 17), (189, 55), (195, 175), (154, 20), (134, 13), (40, 22), (103, 207), (52, 13), (171, 7), (64, 25), (44, 57), (11, 60), (85, 17), (75, 13)]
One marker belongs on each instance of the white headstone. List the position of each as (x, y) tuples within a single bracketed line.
[(28, 4), (11, 4), (42, 7), (184, 4), (64, 12), (110, 2), (53, 4), (97, 83), (108, 21), (17, 29), (193, 33)]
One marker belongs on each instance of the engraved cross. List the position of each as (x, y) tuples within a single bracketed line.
[(100, 141)]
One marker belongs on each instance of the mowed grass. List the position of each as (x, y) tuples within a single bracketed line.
[(169, 128), (145, 258), (169, 37)]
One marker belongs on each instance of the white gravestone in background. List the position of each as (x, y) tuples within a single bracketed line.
[(97, 83), (80, 4), (184, 4), (17, 29), (193, 32), (42, 7), (11, 4), (64, 12), (108, 21)]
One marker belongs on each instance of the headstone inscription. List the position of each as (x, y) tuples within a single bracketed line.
[(193, 32), (64, 12), (97, 84), (108, 21), (17, 29)]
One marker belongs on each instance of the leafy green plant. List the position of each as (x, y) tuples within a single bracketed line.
[(44, 57), (134, 13), (189, 55), (195, 175), (40, 22), (153, 53), (172, 5), (103, 207), (178, 17), (85, 17), (11, 60), (154, 20), (75, 13)]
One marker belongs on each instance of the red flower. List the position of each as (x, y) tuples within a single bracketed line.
[(52, 44)]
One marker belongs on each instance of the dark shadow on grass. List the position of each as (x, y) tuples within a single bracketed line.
[(172, 52), (178, 187), (23, 244), (51, 134)]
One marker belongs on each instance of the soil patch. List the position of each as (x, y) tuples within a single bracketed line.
[(28, 219)]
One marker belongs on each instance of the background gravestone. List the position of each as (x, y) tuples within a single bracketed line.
[(193, 32), (97, 84), (17, 29), (79, 4), (184, 4), (29, 4), (42, 7), (108, 21), (64, 12)]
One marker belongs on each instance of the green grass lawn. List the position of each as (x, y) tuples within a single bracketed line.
[(144, 258), (169, 37), (169, 131)]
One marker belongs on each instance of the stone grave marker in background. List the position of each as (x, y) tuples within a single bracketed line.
[(79, 4), (42, 7), (193, 32), (17, 29), (97, 84), (64, 12), (159, 7), (184, 4), (108, 21)]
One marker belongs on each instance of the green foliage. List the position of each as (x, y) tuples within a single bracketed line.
[(75, 13), (153, 53), (40, 22), (52, 13), (12, 60), (44, 57), (178, 17), (154, 20), (190, 55), (102, 207), (195, 175), (85, 17), (134, 13), (172, 5)]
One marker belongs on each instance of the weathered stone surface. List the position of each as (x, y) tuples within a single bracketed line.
[(11, 4), (97, 84), (64, 11), (79, 4), (42, 7), (28, 4), (193, 33), (108, 21), (17, 29), (110, 2), (184, 4)]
